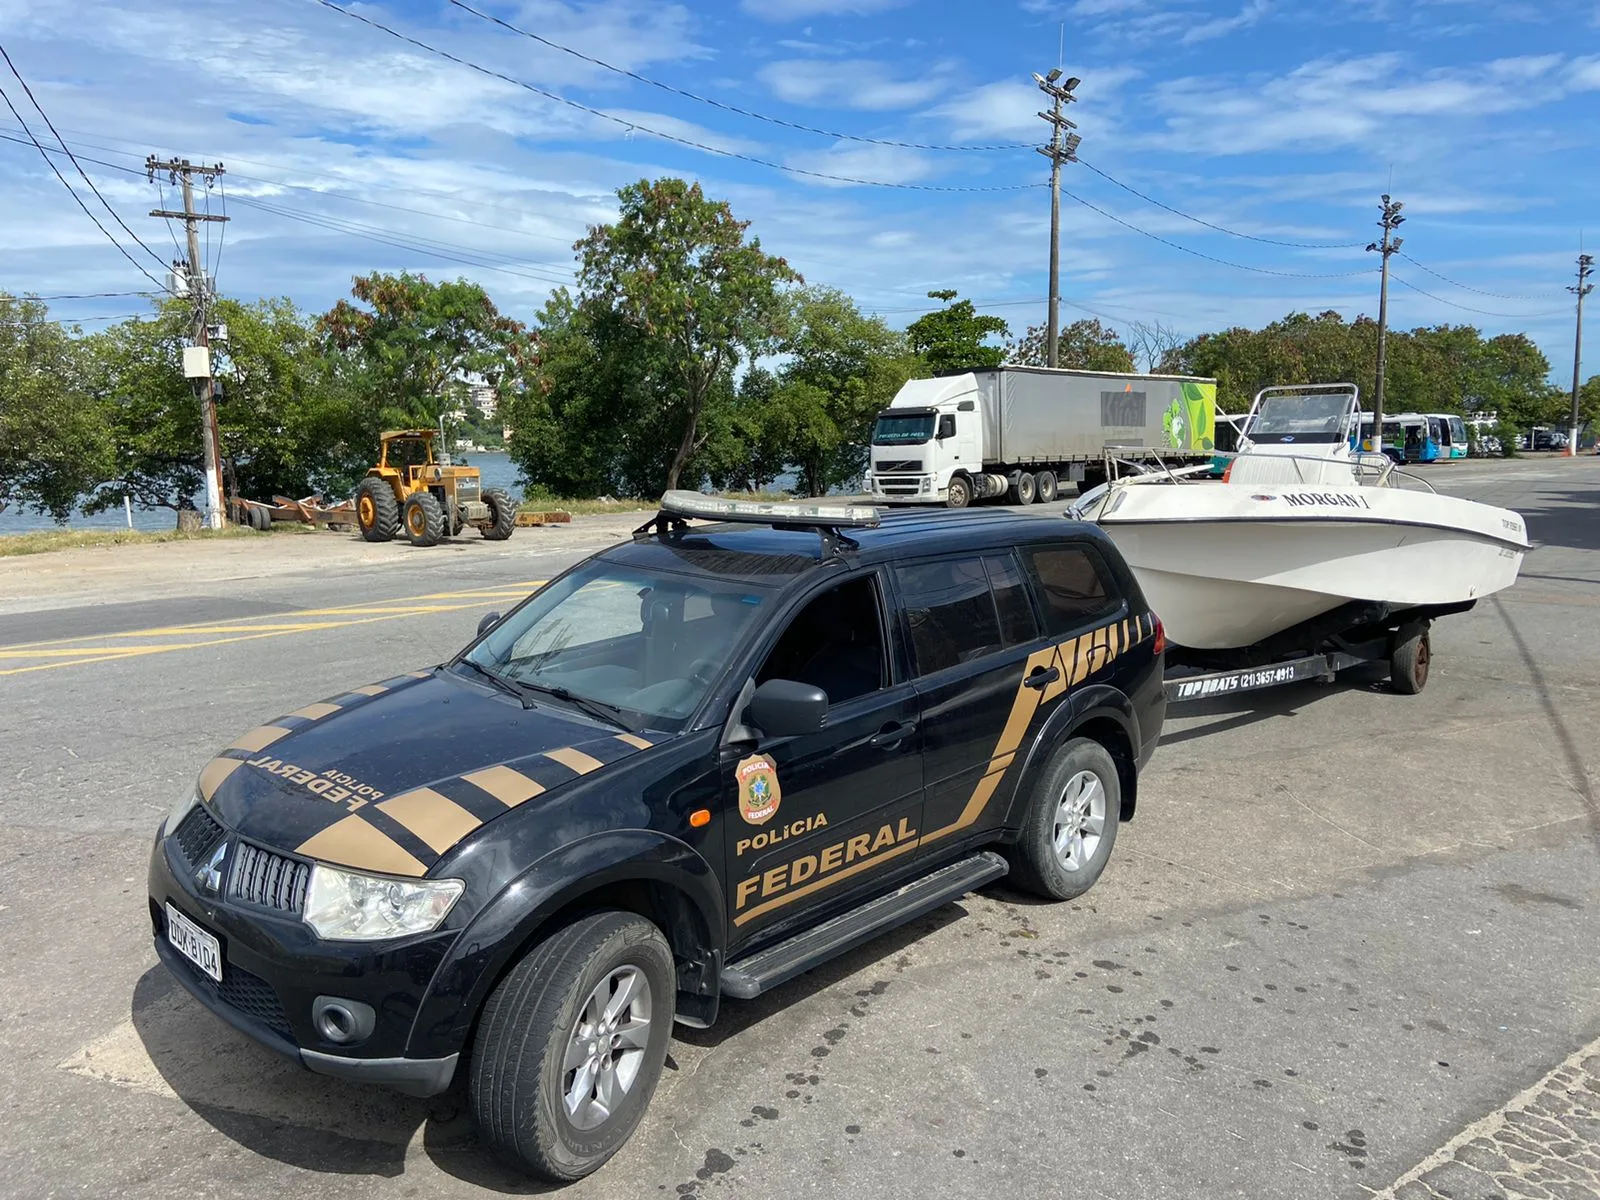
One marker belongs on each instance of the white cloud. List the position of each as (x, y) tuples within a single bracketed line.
[(1010, 107), (853, 83), (800, 10), (1247, 16)]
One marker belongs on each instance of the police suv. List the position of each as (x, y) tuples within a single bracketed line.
[(693, 766)]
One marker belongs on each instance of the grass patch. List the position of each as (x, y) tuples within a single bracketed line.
[(46, 540)]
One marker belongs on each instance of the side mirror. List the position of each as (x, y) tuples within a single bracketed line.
[(784, 708), (490, 620)]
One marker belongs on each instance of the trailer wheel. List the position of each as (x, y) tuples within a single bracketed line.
[(1408, 664), (1022, 491), (1044, 486), (959, 493)]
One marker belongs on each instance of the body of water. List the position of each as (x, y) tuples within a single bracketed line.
[(498, 471)]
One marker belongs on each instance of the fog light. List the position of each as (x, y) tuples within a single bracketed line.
[(342, 1022)]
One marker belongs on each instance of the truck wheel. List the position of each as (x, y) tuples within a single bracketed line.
[(570, 1045), (424, 520), (377, 511), (1044, 485), (1022, 491), (1071, 822), (503, 514), (958, 494), (1408, 665)]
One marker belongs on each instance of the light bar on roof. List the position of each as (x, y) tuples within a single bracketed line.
[(694, 504)]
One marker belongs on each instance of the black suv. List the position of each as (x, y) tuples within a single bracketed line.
[(696, 764)]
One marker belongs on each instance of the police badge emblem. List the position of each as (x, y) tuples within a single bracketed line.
[(759, 793)]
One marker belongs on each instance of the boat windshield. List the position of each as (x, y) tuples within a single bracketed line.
[(646, 645), (1312, 418), (902, 431)]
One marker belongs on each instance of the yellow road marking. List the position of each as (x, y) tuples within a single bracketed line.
[(87, 649)]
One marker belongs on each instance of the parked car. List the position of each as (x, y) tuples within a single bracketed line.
[(695, 765)]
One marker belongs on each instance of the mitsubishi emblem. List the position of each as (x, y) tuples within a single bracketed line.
[(209, 877)]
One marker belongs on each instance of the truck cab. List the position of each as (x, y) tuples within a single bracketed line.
[(929, 432)]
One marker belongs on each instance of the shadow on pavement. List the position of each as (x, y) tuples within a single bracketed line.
[(1565, 519)]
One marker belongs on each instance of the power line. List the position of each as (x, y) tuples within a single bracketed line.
[(80, 295), (122, 250), (725, 107), (670, 137), (1468, 287), (1250, 237), (46, 116), (1480, 311), (78, 320), (1210, 257)]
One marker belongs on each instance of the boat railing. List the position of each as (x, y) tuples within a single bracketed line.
[(1154, 464)]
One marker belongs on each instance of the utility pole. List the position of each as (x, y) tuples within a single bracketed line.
[(181, 170), (1390, 245), (1063, 147), (1585, 267)]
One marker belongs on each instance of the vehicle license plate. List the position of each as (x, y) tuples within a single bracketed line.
[(194, 943)]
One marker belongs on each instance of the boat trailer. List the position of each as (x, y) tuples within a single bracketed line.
[(1352, 635)]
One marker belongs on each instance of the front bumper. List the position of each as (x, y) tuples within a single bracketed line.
[(890, 488), (274, 969)]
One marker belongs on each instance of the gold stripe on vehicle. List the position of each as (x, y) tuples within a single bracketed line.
[(372, 689), (354, 842), (315, 712), (634, 740), (215, 772), (577, 760), (259, 738), (436, 819), (750, 914), (506, 784), (419, 674)]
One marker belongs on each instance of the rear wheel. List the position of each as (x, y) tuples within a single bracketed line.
[(1408, 665), (424, 520), (959, 493), (377, 511), (1071, 822), (502, 513), (570, 1046), (1022, 491), (1044, 485)]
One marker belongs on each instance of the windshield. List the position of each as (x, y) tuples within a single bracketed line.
[(649, 643), (1301, 419), (902, 431)]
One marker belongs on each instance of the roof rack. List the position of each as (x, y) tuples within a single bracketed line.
[(826, 520)]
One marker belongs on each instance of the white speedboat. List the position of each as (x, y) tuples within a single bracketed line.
[(1302, 525)]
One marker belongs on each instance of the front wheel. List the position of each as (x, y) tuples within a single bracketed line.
[(570, 1046), (424, 519), (1071, 822), (502, 513), (958, 494)]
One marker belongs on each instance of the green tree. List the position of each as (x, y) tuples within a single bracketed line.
[(678, 270), (416, 338), (954, 338), (54, 442), (1086, 345)]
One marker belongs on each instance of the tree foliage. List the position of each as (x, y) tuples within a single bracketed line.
[(955, 338), (1086, 345)]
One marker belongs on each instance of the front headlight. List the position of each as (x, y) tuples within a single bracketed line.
[(179, 811), (344, 906)]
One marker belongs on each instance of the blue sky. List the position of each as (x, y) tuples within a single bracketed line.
[(1277, 119)]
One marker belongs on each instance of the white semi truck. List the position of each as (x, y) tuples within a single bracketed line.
[(1019, 432)]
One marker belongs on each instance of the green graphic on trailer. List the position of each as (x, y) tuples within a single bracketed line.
[(1190, 424)]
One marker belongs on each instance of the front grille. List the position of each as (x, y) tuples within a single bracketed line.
[(197, 835), (904, 464), (254, 997), (466, 489), (268, 879), (899, 489)]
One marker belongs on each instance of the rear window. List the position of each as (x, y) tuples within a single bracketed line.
[(1073, 586), (960, 609)]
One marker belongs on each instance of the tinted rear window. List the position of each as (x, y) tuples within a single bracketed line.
[(1073, 586), (951, 612)]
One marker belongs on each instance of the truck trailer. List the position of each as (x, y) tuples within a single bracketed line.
[(1019, 432)]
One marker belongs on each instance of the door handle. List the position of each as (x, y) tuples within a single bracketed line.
[(1042, 677), (891, 735)]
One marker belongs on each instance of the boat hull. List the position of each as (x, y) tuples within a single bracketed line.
[(1227, 565)]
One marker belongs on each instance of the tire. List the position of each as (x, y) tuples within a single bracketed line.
[(1044, 484), (519, 1086), (1080, 777), (959, 493), (503, 514), (377, 511), (1409, 663), (424, 519), (1024, 489), (260, 520)]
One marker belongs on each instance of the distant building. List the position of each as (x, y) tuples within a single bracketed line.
[(483, 398)]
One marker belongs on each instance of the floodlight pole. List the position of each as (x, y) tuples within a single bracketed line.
[(1390, 245), (1062, 148), (1585, 267)]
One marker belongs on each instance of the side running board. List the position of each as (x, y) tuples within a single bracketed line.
[(766, 969)]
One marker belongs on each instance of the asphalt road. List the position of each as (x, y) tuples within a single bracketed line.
[(1342, 949)]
